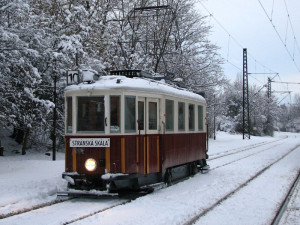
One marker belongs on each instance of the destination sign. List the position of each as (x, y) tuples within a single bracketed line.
[(89, 142)]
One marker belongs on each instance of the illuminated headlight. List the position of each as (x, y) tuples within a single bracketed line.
[(90, 164)]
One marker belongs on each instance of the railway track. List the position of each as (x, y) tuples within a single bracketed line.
[(63, 203), (233, 192), (129, 198), (242, 149), (283, 207), (39, 206), (230, 194), (115, 201), (96, 212), (159, 186), (243, 157)]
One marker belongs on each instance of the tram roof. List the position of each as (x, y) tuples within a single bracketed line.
[(116, 82)]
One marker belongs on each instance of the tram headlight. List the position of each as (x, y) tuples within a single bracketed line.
[(90, 164)]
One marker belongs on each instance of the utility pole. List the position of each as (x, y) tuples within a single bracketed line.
[(269, 87), (54, 121), (246, 113), (214, 117), (269, 122)]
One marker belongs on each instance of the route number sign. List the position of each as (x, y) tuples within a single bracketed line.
[(73, 77)]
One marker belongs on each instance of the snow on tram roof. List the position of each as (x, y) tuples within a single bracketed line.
[(111, 82)]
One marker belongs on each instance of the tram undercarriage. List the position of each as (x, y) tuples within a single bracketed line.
[(118, 182)]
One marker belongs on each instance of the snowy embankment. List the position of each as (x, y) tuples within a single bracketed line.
[(28, 180), (34, 179)]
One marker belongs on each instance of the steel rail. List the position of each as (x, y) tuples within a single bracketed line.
[(243, 149), (213, 206), (286, 201), (35, 207)]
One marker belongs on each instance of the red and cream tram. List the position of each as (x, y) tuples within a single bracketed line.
[(125, 131)]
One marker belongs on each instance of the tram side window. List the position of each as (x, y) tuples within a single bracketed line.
[(90, 114), (141, 115), (191, 117), (69, 114), (169, 115), (130, 117), (152, 115), (115, 109), (181, 116), (200, 117)]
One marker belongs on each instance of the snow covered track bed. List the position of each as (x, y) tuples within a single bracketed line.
[(292, 213), (242, 154), (235, 191), (283, 208), (247, 187), (65, 212), (35, 207), (221, 154), (269, 173)]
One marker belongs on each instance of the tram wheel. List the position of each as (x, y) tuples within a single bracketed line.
[(168, 177), (193, 168)]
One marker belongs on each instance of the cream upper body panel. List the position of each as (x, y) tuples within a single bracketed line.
[(110, 84)]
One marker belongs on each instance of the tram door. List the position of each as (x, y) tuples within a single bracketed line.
[(141, 115), (148, 119), (141, 139), (152, 115), (148, 139)]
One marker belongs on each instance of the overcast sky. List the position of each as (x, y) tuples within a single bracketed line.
[(244, 24)]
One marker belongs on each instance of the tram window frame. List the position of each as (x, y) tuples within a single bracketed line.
[(181, 116), (169, 110), (191, 117), (152, 121), (96, 121), (141, 115), (130, 119), (69, 115), (115, 114), (200, 118)]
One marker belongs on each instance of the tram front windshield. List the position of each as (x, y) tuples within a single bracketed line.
[(90, 114)]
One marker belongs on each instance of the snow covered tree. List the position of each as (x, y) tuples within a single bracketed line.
[(289, 117), (20, 57), (41, 40), (264, 111)]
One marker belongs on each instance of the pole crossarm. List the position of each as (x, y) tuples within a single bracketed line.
[(282, 82), (264, 73), (282, 92)]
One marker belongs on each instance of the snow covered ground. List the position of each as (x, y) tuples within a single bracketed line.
[(34, 179)]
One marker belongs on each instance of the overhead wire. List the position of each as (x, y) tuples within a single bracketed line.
[(272, 9), (231, 37), (226, 31), (281, 39), (290, 21)]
